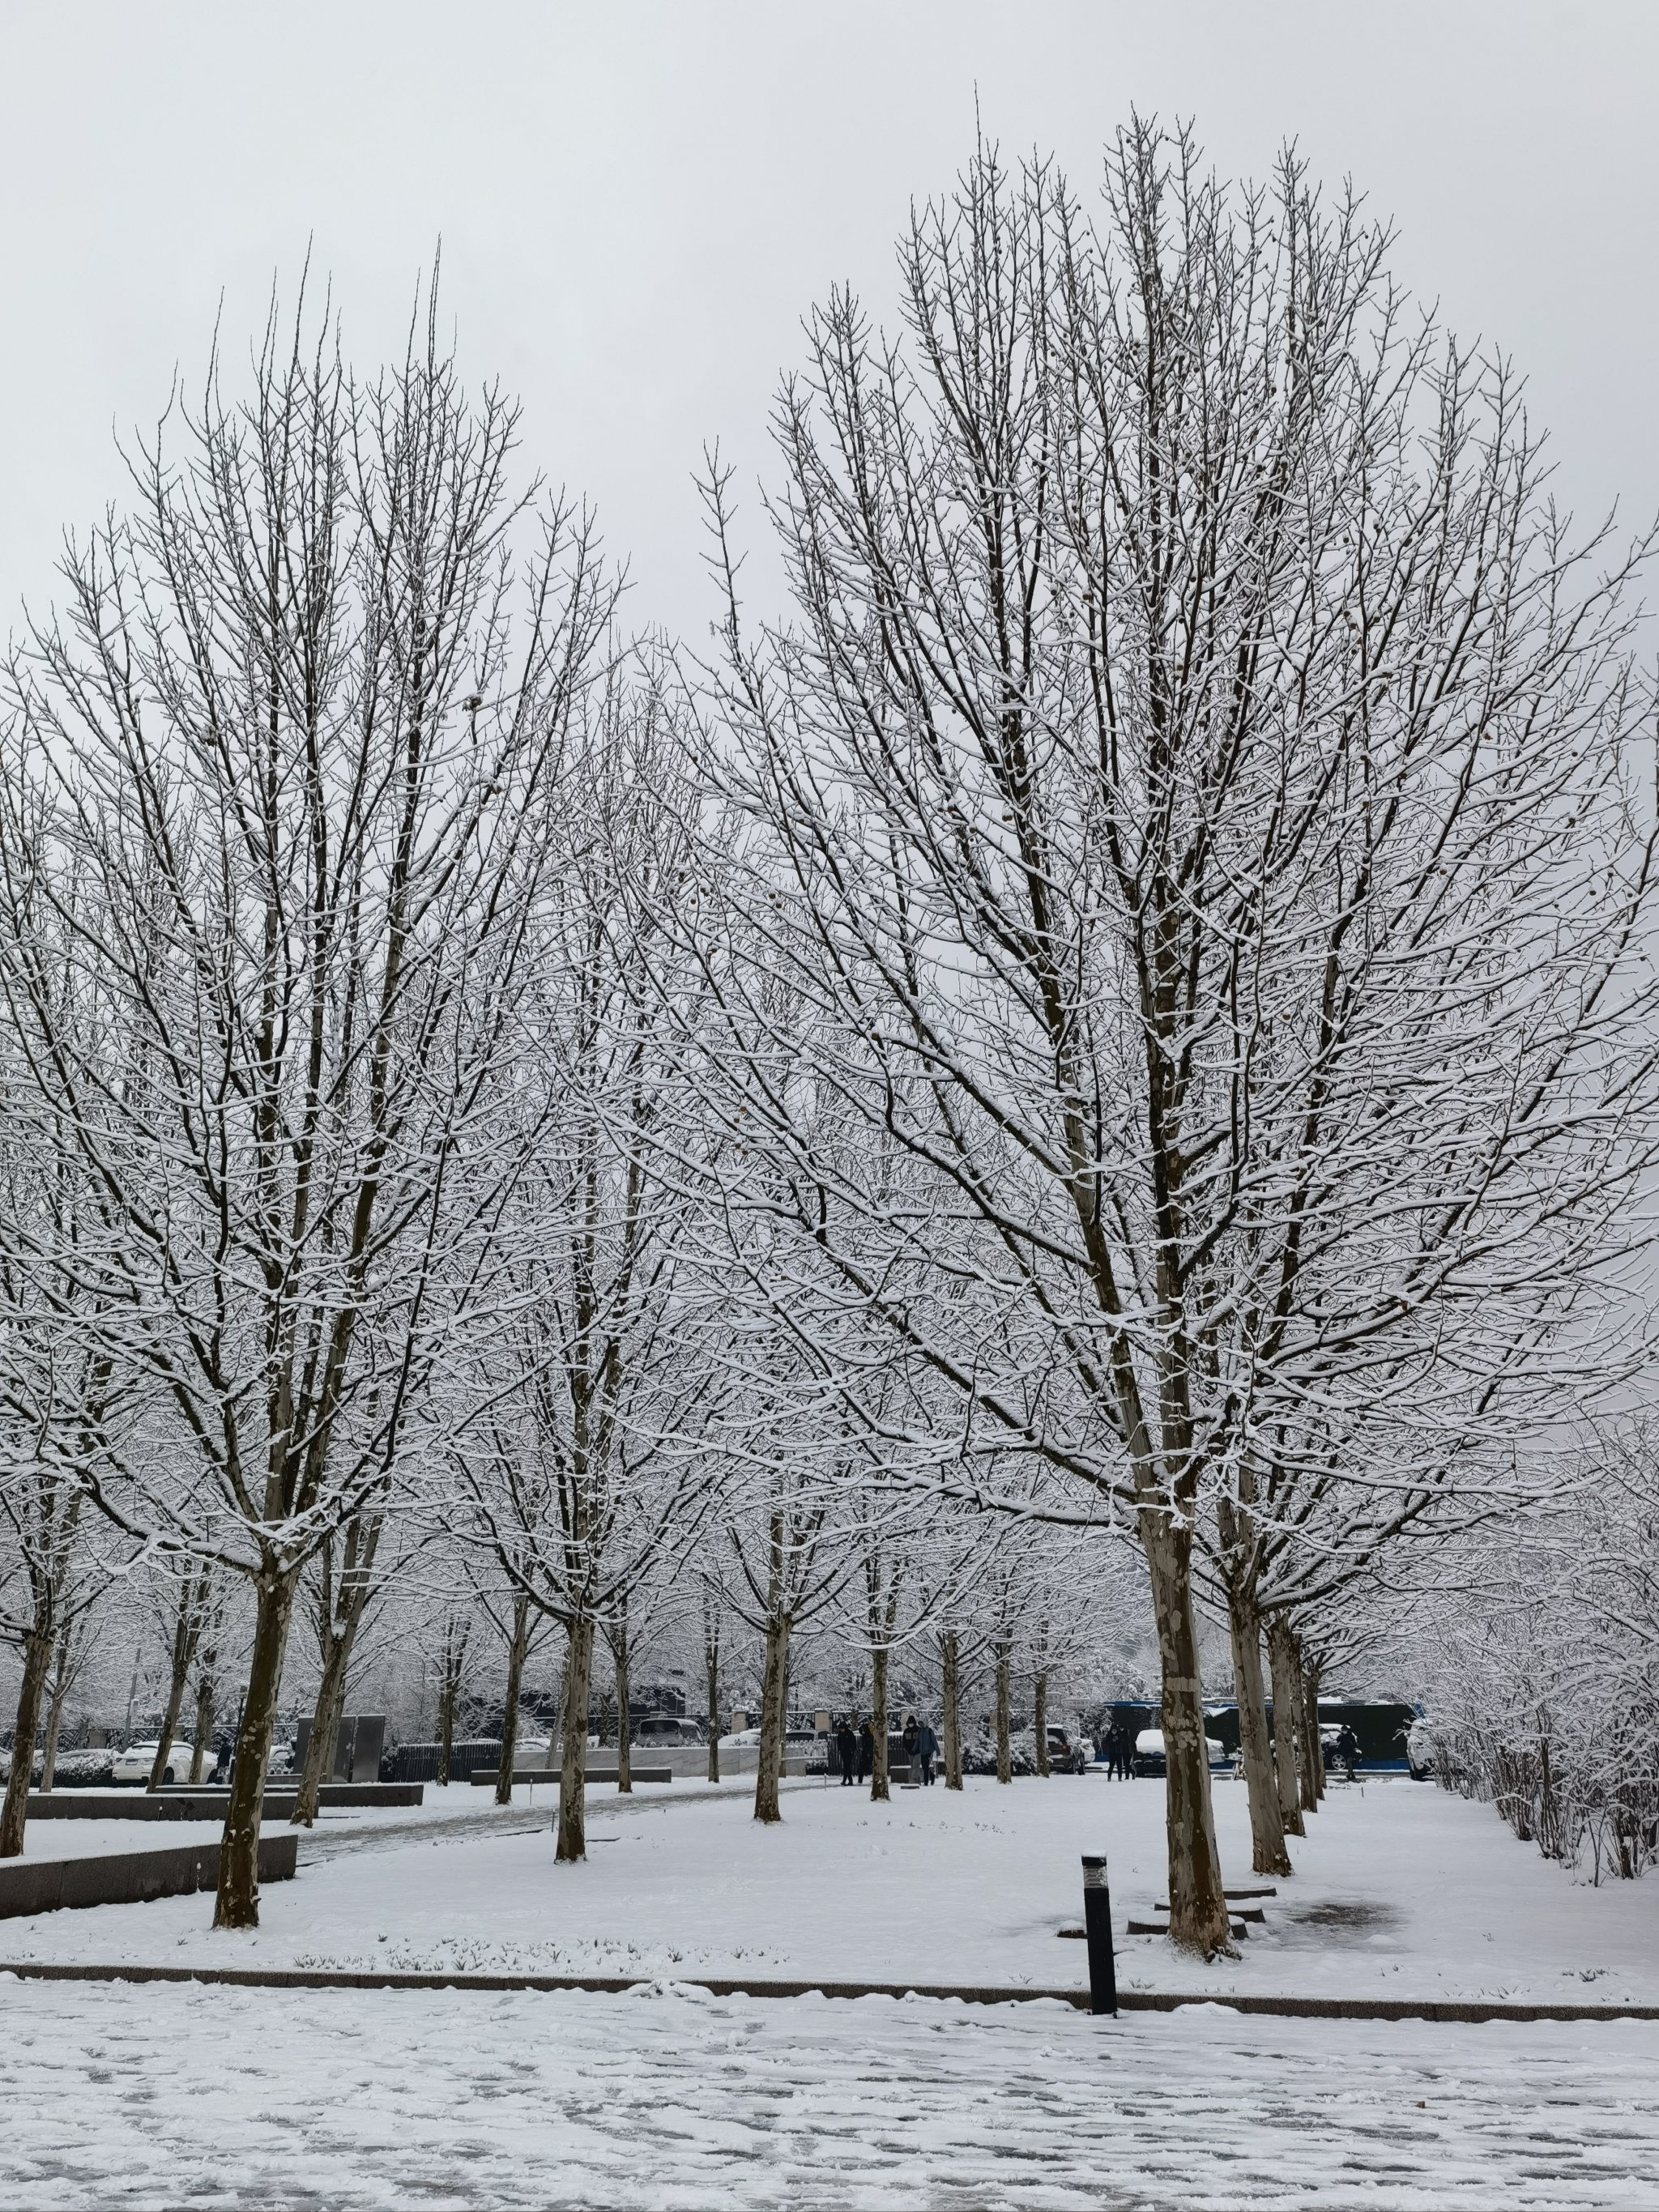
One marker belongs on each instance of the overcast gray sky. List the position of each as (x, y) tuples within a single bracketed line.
[(638, 203)]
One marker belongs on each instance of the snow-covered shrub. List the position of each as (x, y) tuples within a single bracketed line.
[(1546, 1700)]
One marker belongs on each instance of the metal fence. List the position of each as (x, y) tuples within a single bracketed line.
[(418, 1762)]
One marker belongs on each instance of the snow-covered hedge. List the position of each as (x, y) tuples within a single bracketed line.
[(1546, 1699)]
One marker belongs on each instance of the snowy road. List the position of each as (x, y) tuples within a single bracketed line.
[(669, 2100)]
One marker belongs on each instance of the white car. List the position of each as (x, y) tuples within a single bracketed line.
[(1149, 1747), (134, 1764)]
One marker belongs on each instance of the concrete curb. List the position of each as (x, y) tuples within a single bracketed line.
[(300, 1978)]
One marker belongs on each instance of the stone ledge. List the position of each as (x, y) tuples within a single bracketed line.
[(31, 1886)]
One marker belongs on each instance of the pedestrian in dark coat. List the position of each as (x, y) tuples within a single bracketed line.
[(926, 1751), (866, 1751), (847, 1750)]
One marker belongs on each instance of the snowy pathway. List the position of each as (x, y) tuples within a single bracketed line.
[(1401, 1892), (670, 2100)]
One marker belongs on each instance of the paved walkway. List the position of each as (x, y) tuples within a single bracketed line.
[(329, 1840)]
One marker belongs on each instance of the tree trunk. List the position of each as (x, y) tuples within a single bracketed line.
[(237, 1904), (951, 1669), (1287, 1721), (774, 1690), (37, 1657), (203, 1713), (518, 1644), (880, 1793), (186, 1632), (1040, 1719), (445, 1728), (1199, 1919), (618, 1638), (572, 1764), (62, 1678), (457, 1633), (169, 1725), (711, 1668), (1268, 1851), (325, 1738), (1314, 1773), (1004, 1749)]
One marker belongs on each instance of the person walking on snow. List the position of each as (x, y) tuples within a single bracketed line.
[(1347, 1749), (925, 1752), (866, 1751), (847, 1749)]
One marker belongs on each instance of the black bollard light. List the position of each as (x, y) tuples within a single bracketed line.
[(1097, 1927)]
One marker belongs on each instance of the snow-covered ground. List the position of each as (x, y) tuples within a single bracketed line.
[(669, 2098), (1401, 1891), (169, 2097), (459, 1806)]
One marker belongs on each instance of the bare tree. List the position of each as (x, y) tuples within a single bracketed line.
[(276, 778), (1189, 813), (580, 1470)]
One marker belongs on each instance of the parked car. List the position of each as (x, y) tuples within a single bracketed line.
[(134, 1764), (670, 1729), (1150, 1757), (1065, 1757)]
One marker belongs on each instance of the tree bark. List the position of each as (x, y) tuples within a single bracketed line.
[(774, 1690), (187, 1633), (1267, 1852), (237, 1903), (950, 1671), (340, 1609), (1314, 1772), (456, 1636), (1199, 1919), (61, 1681), (1004, 1749), (618, 1638), (880, 1792), (518, 1644), (203, 1713), (1287, 1721), (572, 1764), (711, 1670), (445, 1728), (37, 1657), (325, 1738), (1040, 1719)]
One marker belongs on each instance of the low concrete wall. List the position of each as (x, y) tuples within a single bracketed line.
[(651, 1773), (129, 1877), (181, 1803), (685, 1766), (283, 1786)]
